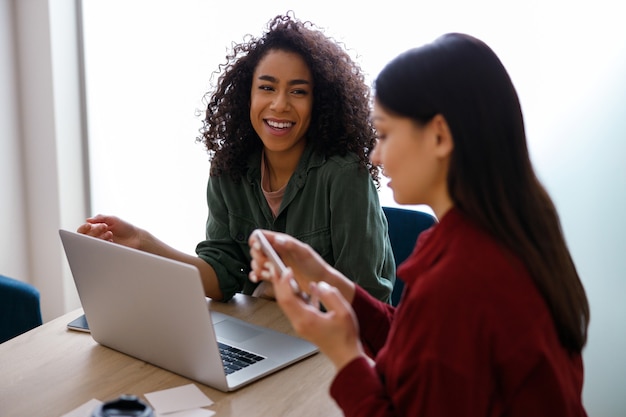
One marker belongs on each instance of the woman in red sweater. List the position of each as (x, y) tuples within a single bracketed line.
[(493, 317)]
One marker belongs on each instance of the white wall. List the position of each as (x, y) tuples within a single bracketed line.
[(13, 254), (42, 183), (579, 149), (567, 60)]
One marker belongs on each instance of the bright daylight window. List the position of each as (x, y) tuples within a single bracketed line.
[(146, 74), (148, 65)]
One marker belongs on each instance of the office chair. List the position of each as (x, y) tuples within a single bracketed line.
[(404, 227), (19, 308)]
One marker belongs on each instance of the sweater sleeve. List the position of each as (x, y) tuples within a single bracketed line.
[(358, 389), (409, 377), (219, 249), (375, 318)]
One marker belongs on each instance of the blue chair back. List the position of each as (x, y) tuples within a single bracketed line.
[(404, 227), (20, 308)]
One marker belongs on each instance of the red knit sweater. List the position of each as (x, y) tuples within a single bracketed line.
[(471, 337)]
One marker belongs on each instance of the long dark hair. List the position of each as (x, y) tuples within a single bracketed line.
[(340, 120), (491, 178)]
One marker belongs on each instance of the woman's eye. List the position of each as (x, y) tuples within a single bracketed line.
[(265, 88)]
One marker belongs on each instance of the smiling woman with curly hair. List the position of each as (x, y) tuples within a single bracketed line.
[(289, 137), (340, 112)]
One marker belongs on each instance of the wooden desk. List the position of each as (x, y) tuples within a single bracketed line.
[(50, 370)]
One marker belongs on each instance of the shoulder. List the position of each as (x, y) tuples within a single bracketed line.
[(464, 267), (480, 268), (348, 160), (251, 172), (338, 167)]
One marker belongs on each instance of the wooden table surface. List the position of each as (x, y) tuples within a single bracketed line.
[(50, 371)]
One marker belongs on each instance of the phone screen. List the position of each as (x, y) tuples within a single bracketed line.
[(79, 324)]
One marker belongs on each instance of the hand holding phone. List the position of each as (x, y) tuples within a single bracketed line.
[(269, 251), (271, 254)]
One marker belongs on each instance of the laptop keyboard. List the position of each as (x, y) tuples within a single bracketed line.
[(235, 359)]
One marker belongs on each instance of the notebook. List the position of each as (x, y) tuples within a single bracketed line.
[(154, 309)]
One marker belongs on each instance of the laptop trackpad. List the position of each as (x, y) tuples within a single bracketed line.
[(236, 332)]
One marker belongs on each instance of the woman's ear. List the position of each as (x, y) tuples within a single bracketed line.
[(445, 142)]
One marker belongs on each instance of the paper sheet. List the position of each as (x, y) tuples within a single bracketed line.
[(183, 401), (185, 397), (84, 410)]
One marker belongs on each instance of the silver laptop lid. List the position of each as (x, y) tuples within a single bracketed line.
[(154, 309)]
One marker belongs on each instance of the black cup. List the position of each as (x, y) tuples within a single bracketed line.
[(124, 406)]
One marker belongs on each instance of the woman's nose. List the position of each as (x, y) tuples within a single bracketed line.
[(280, 103)]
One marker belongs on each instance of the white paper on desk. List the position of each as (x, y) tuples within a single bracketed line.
[(181, 398), (84, 410), (196, 412)]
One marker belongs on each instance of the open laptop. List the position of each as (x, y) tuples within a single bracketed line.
[(154, 309)]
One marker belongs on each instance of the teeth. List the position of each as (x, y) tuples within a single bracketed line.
[(279, 125)]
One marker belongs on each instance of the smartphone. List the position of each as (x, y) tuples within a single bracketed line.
[(79, 324), (269, 251)]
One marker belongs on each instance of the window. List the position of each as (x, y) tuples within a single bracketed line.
[(149, 63)]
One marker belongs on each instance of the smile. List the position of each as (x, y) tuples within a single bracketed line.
[(279, 125)]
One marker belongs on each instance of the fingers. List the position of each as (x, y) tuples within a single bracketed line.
[(99, 218), (84, 228), (96, 224), (258, 260), (283, 244), (97, 230), (329, 296), (289, 296), (260, 256), (287, 247), (252, 275)]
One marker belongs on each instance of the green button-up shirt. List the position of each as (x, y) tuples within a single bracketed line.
[(329, 203)]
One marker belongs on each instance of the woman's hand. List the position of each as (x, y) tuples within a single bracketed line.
[(335, 331), (113, 229), (306, 264)]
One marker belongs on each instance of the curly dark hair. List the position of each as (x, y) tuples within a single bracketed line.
[(340, 121)]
